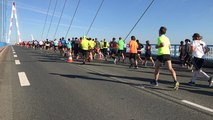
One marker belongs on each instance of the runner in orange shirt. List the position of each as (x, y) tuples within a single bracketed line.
[(133, 45)]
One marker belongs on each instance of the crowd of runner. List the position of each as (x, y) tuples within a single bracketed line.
[(88, 49)]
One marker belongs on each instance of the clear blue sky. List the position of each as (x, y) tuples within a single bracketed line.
[(116, 17)]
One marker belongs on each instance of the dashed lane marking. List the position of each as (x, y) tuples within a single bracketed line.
[(197, 105), (17, 62), (15, 55), (23, 79)]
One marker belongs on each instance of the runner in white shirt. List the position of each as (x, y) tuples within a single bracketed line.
[(199, 49)]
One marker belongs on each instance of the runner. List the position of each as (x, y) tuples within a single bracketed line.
[(182, 53), (140, 46), (163, 47), (199, 49), (55, 45), (188, 54), (114, 49), (76, 48), (97, 49), (105, 46), (133, 45), (47, 44), (36, 44), (63, 43), (148, 54), (91, 49), (120, 49), (85, 48), (69, 46)]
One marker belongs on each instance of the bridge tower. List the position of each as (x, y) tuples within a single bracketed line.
[(13, 13)]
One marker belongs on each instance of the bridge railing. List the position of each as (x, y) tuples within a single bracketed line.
[(175, 51), (2, 44)]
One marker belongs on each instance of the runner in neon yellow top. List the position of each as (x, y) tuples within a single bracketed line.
[(163, 47), (85, 44), (166, 45), (85, 48)]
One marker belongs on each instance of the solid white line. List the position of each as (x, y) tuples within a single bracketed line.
[(17, 62), (196, 105), (23, 79), (15, 55)]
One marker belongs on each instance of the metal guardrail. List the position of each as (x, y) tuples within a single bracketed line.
[(2, 44), (175, 51)]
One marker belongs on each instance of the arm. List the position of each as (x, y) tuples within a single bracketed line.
[(159, 46)]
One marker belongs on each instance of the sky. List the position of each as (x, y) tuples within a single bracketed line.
[(116, 18)]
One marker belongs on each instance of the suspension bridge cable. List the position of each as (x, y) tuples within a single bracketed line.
[(95, 17), (139, 20), (46, 19), (52, 19), (60, 19), (72, 18), (6, 21)]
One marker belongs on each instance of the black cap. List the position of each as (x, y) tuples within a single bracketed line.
[(187, 40), (196, 35)]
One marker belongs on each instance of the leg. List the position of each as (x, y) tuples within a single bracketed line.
[(157, 69), (169, 64)]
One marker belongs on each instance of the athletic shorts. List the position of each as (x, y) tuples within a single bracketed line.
[(120, 51), (148, 54), (198, 63), (163, 58), (133, 56), (114, 51), (85, 53)]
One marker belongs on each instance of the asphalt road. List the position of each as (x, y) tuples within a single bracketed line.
[(56, 90)]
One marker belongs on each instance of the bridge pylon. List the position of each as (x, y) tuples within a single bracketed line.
[(13, 13)]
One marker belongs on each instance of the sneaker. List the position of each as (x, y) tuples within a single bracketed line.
[(115, 61), (136, 67), (153, 65), (154, 82), (130, 66), (191, 83), (176, 86), (210, 82)]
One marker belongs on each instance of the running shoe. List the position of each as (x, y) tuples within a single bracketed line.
[(115, 61), (136, 67), (176, 85), (154, 82), (210, 82), (191, 83)]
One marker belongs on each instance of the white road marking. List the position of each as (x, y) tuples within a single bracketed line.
[(17, 62), (14, 52), (23, 79), (15, 55), (196, 105)]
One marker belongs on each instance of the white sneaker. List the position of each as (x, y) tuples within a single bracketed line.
[(115, 61)]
